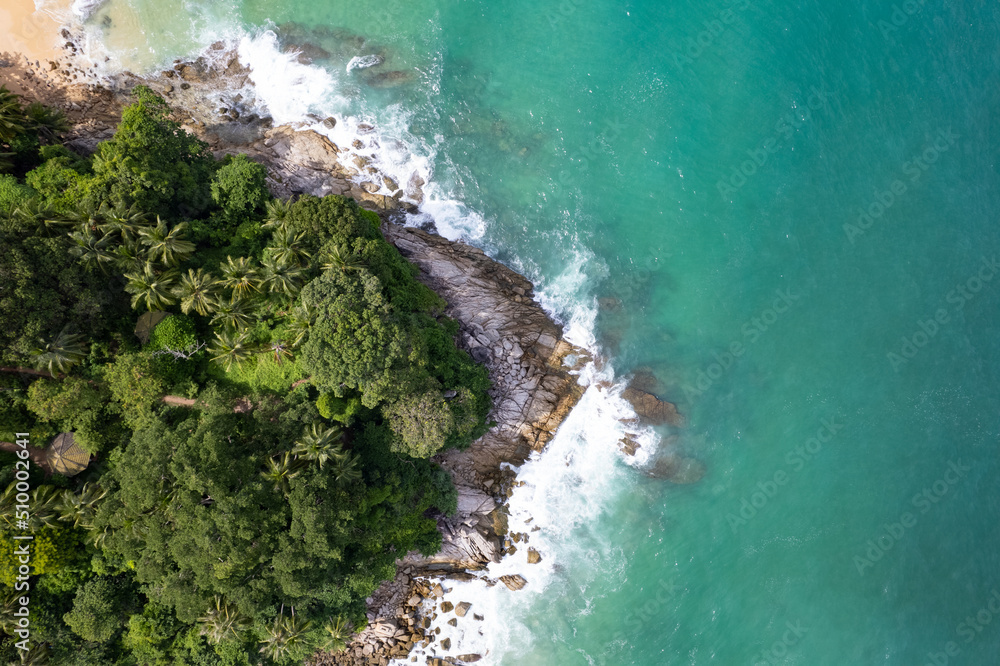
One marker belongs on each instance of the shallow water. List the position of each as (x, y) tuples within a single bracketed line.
[(693, 166)]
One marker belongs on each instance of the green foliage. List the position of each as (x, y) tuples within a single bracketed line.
[(59, 180), (356, 341), (101, 608), (152, 163), (151, 634), (342, 410), (239, 187), (262, 373), (334, 226), (175, 332), (136, 384), (191, 509), (421, 422), (73, 405), (12, 195), (54, 549), (14, 412), (43, 288)]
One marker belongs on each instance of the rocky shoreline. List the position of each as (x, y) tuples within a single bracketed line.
[(501, 325)]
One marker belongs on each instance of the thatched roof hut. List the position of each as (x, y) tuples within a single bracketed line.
[(65, 456)]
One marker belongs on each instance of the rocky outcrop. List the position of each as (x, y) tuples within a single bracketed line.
[(505, 329)]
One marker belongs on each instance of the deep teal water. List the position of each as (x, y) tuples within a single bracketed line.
[(698, 162)]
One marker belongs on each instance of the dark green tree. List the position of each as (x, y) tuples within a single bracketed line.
[(153, 164)]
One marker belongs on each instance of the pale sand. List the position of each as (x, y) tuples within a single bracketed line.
[(32, 33)]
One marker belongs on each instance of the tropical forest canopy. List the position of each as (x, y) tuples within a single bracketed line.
[(308, 379)]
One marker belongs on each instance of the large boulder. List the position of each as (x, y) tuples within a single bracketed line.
[(652, 410)]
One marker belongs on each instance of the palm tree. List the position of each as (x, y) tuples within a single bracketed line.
[(152, 288), (130, 257), (339, 631), (286, 247), (222, 622), (166, 245), (80, 508), (319, 445), (87, 216), (197, 291), (231, 315), (38, 655), (45, 502), (301, 322), (39, 217), (280, 277), (61, 352), (11, 115), (284, 635), (241, 276), (92, 249), (277, 213), (340, 258), (345, 470), (230, 348), (125, 222), (281, 471), (48, 122)]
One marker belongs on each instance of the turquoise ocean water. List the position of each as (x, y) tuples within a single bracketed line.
[(787, 212)]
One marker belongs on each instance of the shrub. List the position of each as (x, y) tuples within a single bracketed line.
[(175, 332), (342, 410), (152, 163), (239, 187), (13, 194), (101, 608), (65, 400)]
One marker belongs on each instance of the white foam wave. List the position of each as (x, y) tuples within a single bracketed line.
[(364, 62), (84, 8)]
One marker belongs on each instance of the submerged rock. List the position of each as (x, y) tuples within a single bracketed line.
[(676, 469), (651, 409), (390, 79)]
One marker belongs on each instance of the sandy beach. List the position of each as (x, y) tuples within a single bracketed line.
[(34, 33)]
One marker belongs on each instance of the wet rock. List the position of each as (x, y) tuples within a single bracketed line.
[(628, 445), (533, 556), (651, 409), (447, 606), (462, 609), (514, 583)]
